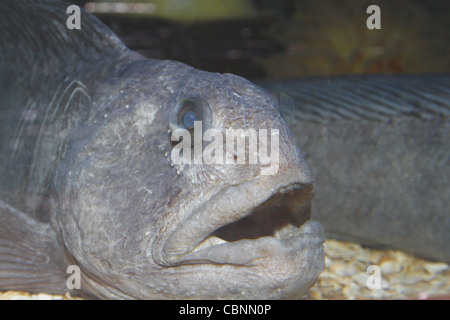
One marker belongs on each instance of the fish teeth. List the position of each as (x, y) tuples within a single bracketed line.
[(209, 242), (287, 231), (290, 187)]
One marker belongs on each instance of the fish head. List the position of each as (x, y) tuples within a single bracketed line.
[(188, 185)]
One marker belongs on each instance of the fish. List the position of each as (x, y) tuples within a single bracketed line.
[(379, 149), (95, 201)]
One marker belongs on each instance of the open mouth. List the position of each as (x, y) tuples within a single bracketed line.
[(281, 222), (282, 212)]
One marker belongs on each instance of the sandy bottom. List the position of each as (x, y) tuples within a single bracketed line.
[(393, 275)]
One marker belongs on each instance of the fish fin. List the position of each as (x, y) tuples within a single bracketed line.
[(42, 27), (27, 248), (363, 97)]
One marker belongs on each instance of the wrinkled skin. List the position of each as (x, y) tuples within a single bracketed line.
[(87, 170)]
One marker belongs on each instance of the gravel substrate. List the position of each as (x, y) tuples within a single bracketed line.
[(401, 276)]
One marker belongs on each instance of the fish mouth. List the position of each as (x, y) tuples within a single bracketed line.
[(270, 223)]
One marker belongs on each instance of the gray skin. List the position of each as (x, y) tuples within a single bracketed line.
[(379, 149), (86, 176)]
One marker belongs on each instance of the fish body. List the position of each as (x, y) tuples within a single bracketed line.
[(88, 181), (379, 149)]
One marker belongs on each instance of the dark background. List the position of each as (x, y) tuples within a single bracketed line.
[(290, 38)]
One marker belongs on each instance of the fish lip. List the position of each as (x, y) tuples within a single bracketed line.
[(252, 252), (230, 253)]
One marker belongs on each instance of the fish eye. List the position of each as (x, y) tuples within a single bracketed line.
[(187, 111), (189, 118)]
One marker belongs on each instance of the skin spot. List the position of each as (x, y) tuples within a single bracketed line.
[(145, 114)]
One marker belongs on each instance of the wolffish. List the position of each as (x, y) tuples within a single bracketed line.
[(87, 178)]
